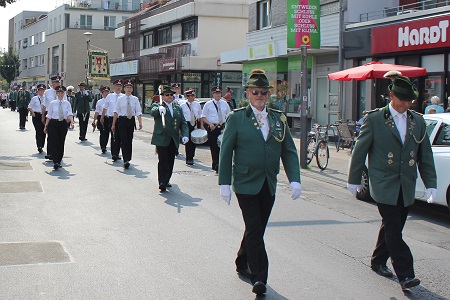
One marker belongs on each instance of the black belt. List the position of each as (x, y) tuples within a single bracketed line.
[(56, 120), (125, 117)]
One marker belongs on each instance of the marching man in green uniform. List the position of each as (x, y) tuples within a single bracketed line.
[(82, 109), (254, 140), (396, 142), (169, 120), (23, 99)]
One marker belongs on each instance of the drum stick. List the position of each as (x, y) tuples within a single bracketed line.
[(163, 118)]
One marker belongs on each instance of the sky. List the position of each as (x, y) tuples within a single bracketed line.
[(11, 10)]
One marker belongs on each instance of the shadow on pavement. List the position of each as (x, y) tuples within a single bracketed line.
[(174, 197)]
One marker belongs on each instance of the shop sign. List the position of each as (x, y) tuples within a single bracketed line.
[(167, 65), (231, 77), (261, 51), (192, 77), (124, 68), (409, 36)]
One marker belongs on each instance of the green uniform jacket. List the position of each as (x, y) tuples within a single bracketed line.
[(82, 103), (246, 160), (23, 99), (392, 164), (162, 135)]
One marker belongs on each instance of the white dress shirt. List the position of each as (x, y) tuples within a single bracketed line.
[(193, 106), (110, 103), (210, 112), (400, 122), (50, 95), (99, 106), (122, 103), (53, 109), (36, 104)]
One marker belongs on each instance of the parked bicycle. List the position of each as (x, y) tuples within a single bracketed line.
[(317, 145)]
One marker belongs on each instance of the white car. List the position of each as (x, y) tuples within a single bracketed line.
[(438, 129)]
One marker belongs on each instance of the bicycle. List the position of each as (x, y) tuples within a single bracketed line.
[(317, 145)]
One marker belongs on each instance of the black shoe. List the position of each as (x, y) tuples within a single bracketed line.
[(168, 184), (103, 151), (40, 149), (114, 158), (162, 187), (259, 288), (190, 162), (56, 166), (382, 270), (48, 157), (126, 165), (409, 283), (244, 272)]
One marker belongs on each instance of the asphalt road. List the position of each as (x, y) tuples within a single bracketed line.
[(93, 230)]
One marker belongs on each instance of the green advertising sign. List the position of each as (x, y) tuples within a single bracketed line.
[(303, 23)]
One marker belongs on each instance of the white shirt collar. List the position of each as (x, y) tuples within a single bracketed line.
[(394, 112), (256, 111)]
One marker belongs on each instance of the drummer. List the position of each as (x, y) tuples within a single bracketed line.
[(192, 112)]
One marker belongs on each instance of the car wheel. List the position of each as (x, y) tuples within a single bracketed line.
[(364, 193)]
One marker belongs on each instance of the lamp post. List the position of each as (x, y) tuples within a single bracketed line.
[(87, 36)]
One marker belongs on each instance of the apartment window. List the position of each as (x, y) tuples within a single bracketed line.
[(51, 26), (54, 25), (164, 36), (25, 42), (86, 21), (264, 14), (42, 37), (55, 59), (24, 64), (31, 62), (59, 23), (109, 22), (190, 30), (32, 40), (41, 60), (36, 38), (148, 40), (66, 20)]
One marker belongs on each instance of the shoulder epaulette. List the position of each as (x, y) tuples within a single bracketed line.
[(416, 112), (373, 110), (238, 109)]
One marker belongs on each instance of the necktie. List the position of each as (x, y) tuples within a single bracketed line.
[(219, 113), (60, 111), (192, 115), (129, 113)]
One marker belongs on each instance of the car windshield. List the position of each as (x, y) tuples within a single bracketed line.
[(443, 136)]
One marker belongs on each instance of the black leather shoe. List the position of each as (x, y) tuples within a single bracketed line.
[(48, 157), (103, 151), (162, 187), (40, 149), (56, 166), (126, 165), (382, 270), (244, 272), (259, 288), (114, 158), (168, 184), (409, 283)]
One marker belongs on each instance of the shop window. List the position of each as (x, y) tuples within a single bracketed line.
[(433, 87), (264, 14)]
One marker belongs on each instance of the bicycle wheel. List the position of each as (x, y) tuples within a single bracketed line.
[(322, 155), (310, 149)]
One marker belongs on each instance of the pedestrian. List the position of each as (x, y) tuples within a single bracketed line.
[(214, 114), (104, 130), (395, 140), (178, 97), (13, 98), (82, 109), (23, 99), (59, 113), (169, 121), (255, 139), (108, 116), (127, 108), (49, 96), (35, 108), (192, 113), (448, 105), (436, 104)]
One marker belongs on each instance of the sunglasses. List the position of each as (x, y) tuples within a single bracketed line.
[(263, 93), (168, 94)]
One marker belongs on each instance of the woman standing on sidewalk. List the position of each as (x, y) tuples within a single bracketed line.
[(35, 108), (59, 113)]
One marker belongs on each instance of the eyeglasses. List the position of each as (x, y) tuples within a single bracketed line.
[(263, 93), (168, 94)]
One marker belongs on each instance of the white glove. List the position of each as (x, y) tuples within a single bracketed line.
[(184, 139), (431, 195), (353, 188), (85, 93), (296, 190), (162, 110), (225, 192)]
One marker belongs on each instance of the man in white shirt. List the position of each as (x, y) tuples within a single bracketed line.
[(192, 114), (214, 115), (49, 96), (178, 98)]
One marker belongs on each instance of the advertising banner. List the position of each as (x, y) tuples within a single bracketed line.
[(303, 23)]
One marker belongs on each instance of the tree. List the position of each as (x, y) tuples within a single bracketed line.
[(3, 2), (9, 65)]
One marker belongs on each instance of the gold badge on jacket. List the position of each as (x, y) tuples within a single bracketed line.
[(390, 156)]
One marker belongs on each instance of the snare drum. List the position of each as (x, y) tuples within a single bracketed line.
[(219, 140), (199, 136)]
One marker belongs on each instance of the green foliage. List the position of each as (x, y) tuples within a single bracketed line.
[(9, 65), (3, 2)]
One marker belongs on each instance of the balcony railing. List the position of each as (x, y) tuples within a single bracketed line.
[(403, 9), (111, 5)]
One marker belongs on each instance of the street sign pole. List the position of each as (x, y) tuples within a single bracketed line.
[(304, 103)]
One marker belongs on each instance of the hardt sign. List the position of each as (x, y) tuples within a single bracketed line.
[(411, 36)]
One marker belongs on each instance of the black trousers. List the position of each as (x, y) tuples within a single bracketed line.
[(390, 242), (214, 147), (48, 146), (23, 112), (12, 105), (115, 137), (57, 131), (104, 131), (256, 211), (83, 124), (126, 130), (39, 127), (190, 146), (166, 159)]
